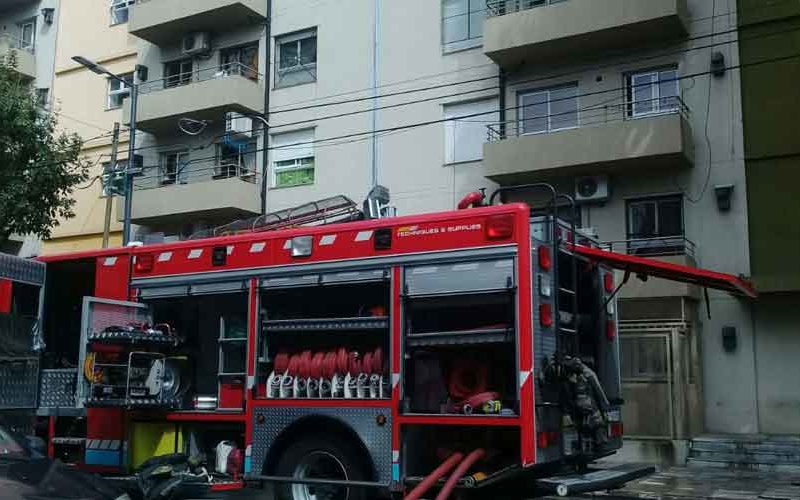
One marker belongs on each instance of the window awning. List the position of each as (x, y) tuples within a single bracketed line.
[(669, 271)]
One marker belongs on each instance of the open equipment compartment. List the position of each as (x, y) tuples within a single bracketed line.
[(325, 336), (459, 327), (213, 329)]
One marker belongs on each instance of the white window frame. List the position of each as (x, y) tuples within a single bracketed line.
[(179, 79), (452, 153), (124, 91), (295, 151), (471, 41), (241, 167), (118, 6), (297, 39), (655, 92), (167, 179), (30, 46), (547, 91)]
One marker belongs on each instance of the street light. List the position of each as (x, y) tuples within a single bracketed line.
[(100, 70)]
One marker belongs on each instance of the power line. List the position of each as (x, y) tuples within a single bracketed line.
[(484, 113)]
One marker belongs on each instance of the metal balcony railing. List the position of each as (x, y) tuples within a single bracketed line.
[(503, 7), (8, 41), (225, 70), (662, 246), (191, 172), (584, 117)]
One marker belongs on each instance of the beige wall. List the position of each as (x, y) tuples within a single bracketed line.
[(80, 99)]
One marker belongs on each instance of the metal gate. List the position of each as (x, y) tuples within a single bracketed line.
[(658, 383)]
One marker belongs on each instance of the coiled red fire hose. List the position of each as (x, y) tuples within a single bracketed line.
[(434, 476), (329, 365), (317, 365), (342, 361), (304, 370), (467, 378), (457, 474), (281, 362)]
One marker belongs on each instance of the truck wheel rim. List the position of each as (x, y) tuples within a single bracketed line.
[(320, 465)]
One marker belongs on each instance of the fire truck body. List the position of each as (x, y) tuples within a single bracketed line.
[(360, 354)]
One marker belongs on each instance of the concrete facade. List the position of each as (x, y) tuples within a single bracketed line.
[(35, 62), (81, 101)]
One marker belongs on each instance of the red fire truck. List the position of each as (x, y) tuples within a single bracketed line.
[(332, 354)]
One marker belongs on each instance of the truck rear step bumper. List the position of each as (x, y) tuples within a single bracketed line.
[(594, 480)]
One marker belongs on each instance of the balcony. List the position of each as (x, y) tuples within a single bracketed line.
[(164, 21), (198, 190), (201, 95), (606, 139), (672, 249), (24, 56), (538, 31)]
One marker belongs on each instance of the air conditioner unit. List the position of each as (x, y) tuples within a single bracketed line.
[(591, 188), (196, 43), (238, 124)]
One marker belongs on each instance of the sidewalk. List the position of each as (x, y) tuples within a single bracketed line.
[(713, 483)]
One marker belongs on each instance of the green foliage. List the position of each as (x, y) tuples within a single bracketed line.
[(39, 166)]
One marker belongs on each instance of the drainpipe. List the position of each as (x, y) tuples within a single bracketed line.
[(502, 82), (267, 83)]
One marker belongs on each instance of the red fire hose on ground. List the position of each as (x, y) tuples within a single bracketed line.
[(457, 474), (434, 476)]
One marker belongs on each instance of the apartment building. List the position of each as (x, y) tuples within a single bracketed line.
[(28, 30), (89, 104), (770, 49)]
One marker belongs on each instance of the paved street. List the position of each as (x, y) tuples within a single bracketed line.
[(680, 483)]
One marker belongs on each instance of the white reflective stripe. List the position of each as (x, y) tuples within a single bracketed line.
[(90, 443), (328, 239), (287, 245), (110, 261), (425, 270), (164, 256), (395, 379), (257, 247), (466, 267), (251, 381), (248, 451), (523, 377), (395, 455), (230, 249), (363, 235), (195, 254)]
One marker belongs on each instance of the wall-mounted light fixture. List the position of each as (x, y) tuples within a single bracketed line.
[(47, 14), (724, 194)]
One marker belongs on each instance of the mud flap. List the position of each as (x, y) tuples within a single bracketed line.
[(594, 480)]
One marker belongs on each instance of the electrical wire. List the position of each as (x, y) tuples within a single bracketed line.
[(367, 134)]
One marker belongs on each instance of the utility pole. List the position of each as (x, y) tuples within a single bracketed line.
[(109, 193)]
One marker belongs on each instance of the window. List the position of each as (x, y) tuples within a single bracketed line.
[(464, 138), (235, 159), (297, 58), (655, 226), (652, 92), (293, 162), (548, 110), (120, 11), (462, 23), (178, 73), (42, 97), (27, 35), (117, 92), (173, 167), (240, 61)]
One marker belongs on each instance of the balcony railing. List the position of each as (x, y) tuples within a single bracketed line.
[(585, 117), (664, 246), (225, 70), (503, 7), (191, 172)]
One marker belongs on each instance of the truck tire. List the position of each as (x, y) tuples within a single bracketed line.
[(321, 457)]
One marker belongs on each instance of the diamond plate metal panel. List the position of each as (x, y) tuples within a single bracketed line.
[(25, 270), (377, 439), (57, 388), (20, 379)]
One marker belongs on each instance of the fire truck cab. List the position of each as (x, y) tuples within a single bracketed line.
[(392, 355)]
